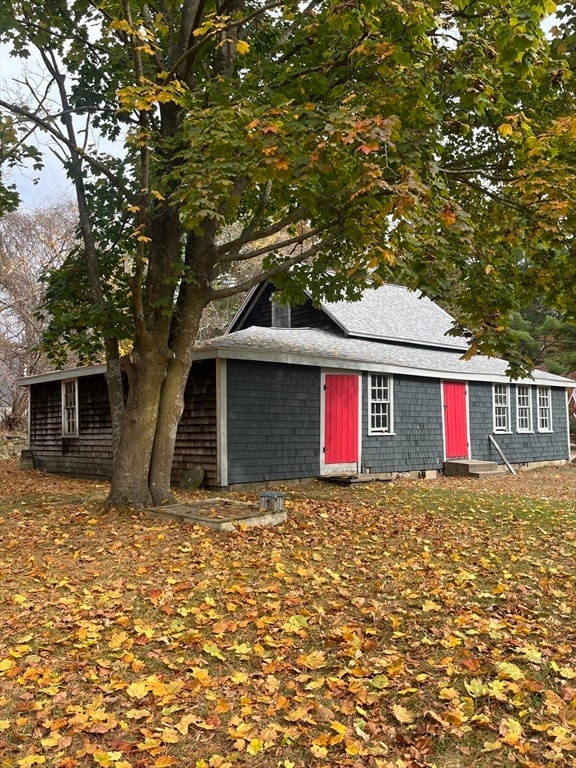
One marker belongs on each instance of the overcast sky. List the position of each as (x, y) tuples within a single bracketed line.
[(37, 188)]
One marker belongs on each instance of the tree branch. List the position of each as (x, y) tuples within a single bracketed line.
[(506, 201), (186, 59), (224, 293), (249, 235), (137, 281), (298, 239), (47, 124)]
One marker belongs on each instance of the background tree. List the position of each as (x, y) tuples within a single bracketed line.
[(31, 243), (374, 135), (546, 338)]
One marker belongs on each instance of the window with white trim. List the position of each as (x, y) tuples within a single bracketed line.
[(380, 404), (544, 410), (523, 408), (501, 399), (70, 407)]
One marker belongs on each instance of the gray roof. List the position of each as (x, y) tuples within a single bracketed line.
[(68, 373), (310, 346), (387, 313), (394, 313)]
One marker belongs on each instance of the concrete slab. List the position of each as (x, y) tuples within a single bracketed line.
[(471, 468), (219, 514)]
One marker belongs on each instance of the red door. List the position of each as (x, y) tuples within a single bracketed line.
[(455, 420), (340, 419)]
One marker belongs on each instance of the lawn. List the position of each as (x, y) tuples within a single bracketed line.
[(390, 625)]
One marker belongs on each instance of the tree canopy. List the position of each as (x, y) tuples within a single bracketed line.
[(340, 142)]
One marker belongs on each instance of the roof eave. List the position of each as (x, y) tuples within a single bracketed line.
[(321, 361), (69, 373)]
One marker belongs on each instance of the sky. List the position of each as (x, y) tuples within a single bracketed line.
[(36, 188)]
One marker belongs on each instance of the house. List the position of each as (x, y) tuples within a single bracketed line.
[(374, 386)]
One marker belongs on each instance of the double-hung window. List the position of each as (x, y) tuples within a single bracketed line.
[(501, 402), (380, 404), (281, 315), (523, 408), (544, 410), (70, 407)]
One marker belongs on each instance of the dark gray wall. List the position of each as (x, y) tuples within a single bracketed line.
[(523, 447), (90, 453), (196, 440), (273, 421), (274, 425), (417, 442), (301, 315)]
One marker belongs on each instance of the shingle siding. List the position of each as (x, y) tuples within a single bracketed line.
[(304, 315), (196, 440), (518, 447), (273, 421), (89, 454), (417, 442)]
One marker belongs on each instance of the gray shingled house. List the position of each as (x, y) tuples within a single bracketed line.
[(374, 386)]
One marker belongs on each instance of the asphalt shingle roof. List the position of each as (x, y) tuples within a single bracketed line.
[(394, 313), (310, 346)]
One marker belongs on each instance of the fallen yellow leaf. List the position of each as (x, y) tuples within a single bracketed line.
[(402, 714), (320, 752), (492, 746), (138, 689), (510, 730)]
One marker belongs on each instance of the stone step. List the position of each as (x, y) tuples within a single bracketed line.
[(470, 468), (499, 471)]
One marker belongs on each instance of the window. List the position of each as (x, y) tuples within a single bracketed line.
[(70, 407), (380, 404), (523, 408), (281, 316), (501, 408), (544, 410)]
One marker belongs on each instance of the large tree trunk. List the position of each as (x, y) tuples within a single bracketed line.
[(170, 411), (193, 301), (131, 466)]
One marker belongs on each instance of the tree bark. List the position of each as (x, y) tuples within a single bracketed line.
[(170, 411), (131, 467), (193, 301)]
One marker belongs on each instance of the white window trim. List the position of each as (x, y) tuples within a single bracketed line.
[(66, 432), (390, 430), (497, 429), (548, 391), (528, 408)]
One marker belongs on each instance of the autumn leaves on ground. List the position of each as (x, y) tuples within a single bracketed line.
[(415, 623)]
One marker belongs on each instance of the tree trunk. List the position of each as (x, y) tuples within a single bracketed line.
[(131, 466), (172, 397), (170, 411), (115, 392)]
